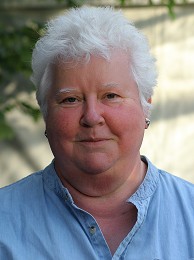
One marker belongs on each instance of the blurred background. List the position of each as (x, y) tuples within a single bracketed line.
[(169, 141)]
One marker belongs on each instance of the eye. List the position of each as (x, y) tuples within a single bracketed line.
[(69, 100), (111, 96)]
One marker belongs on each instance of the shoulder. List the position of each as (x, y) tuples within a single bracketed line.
[(24, 191), (20, 190), (177, 194), (173, 183), (22, 182), (170, 187), (168, 182), (173, 198)]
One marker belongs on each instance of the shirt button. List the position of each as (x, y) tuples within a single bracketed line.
[(92, 230), (66, 197)]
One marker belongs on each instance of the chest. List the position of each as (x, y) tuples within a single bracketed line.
[(116, 228)]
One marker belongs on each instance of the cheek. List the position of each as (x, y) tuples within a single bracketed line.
[(127, 122), (61, 124)]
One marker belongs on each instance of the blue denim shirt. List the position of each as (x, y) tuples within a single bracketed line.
[(39, 220)]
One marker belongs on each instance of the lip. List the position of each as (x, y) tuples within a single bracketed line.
[(94, 141)]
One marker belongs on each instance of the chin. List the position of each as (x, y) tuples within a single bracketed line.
[(95, 167)]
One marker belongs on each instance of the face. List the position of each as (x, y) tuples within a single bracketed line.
[(95, 122)]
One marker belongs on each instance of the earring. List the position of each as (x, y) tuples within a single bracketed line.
[(147, 120), (45, 133)]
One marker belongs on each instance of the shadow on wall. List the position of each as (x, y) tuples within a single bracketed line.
[(169, 108), (181, 21)]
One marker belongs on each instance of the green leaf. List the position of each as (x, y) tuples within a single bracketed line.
[(30, 110), (122, 2), (6, 132)]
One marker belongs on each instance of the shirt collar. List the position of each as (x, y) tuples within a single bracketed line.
[(145, 190), (149, 184)]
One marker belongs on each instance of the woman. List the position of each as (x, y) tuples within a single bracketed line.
[(98, 199)]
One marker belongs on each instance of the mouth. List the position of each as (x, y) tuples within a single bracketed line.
[(91, 140), (94, 142)]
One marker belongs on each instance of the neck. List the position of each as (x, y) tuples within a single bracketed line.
[(108, 204), (103, 201)]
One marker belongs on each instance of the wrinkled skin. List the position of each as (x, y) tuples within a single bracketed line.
[(95, 125)]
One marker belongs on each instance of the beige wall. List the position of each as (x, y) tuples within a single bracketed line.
[(169, 142)]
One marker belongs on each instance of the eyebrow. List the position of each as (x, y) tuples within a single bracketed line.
[(111, 84), (65, 90), (69, 90)]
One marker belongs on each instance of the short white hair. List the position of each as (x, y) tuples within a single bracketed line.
[(82, 32)]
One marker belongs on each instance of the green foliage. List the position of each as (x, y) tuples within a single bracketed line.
[(15, 69), (72, 3), (170, 4), (14, 49), (30, 110), (6, 131)]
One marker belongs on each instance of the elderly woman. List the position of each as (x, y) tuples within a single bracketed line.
[(98, 199)]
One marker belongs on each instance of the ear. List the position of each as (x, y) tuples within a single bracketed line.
[(150, 100), (147, 123), (147, 120)]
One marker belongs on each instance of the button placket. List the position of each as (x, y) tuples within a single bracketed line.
[(66, 197), (92, 230)]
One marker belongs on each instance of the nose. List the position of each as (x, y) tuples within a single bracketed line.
[(92, 114)]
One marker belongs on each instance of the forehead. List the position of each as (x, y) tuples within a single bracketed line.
[(114, 57), (98, 71)]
